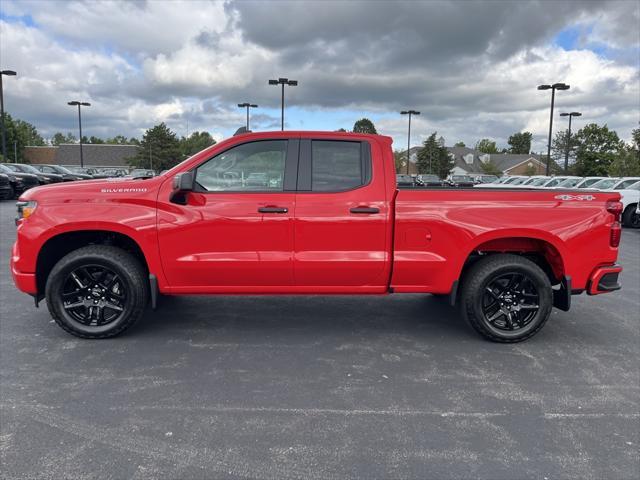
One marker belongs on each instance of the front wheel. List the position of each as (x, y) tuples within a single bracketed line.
[(506, 298), (97, 291)]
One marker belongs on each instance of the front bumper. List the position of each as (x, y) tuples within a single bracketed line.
[(26, 282), (604, 280)]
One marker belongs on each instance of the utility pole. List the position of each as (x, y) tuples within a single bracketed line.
[(409, 112)]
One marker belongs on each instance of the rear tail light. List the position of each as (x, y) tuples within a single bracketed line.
[(616, 233), (615, 208)]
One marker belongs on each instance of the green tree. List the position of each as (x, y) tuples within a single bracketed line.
[(19, 134), (400, 160), (459, 144), (364, 125), (97, 140), (597, 148), (559, 148), (520, 142), (60, 138), (196, 142), (433, 157), (122, 140), (159, 149), (486, 146)]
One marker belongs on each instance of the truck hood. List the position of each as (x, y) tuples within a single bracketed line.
[(91, 190)]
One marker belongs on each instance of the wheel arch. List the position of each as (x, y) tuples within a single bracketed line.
[(64, 243)]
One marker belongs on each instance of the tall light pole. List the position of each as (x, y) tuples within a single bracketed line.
[(409, 112), (566, 153), (283, 82), (248, 106), (553, 88), (9, 73), (79, 104)]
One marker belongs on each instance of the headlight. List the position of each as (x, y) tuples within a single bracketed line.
[(25, 210)]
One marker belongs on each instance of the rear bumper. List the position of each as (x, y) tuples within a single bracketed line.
[(604, 280)]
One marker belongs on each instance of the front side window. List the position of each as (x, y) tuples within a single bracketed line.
[(255, 166), (336, 166)]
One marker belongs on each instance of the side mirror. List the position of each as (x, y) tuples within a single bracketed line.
[(183, 182)]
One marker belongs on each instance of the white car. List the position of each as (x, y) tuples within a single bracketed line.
[(556, 181), (504, 182), (605, 184), (587, 182), (630, 202), (625, 182), (570, 182)]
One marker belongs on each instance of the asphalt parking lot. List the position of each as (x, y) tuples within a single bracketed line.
[(321, 387)]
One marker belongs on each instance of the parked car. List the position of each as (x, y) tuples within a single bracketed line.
[(43, 178), (460, 181), (67, 175), (20, 182), (555, 181), (605, 184), (141, 173), (6, 191), (91, 171), (429, 180), (587, 182), (506, 258), (625, 182), (114, 172), (504, 182), (403, 180), (630, 198), (571, 182), (485, 179)]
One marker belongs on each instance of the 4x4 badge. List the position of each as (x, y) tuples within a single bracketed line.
[(575, 197)]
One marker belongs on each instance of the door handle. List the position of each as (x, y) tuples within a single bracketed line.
[(273, 210), (365, 210)]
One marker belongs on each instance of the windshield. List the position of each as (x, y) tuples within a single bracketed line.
[(58, 168), (461, 178), (510, 180), (635, 186), (625, 183), (488, 178), (77, 169), (518, 181), (605, 184), (539, 181), (588, 182), (4, 169), (569, 182)]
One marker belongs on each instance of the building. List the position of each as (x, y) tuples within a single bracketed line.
[(468, 161), (94, 155)]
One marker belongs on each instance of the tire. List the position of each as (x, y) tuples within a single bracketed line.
[(496, 291), (89, 303), (630, 218)]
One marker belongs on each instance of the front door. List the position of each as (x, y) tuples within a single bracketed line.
[(235, 233)]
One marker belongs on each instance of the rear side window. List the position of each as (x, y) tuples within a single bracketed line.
[(338, 166)]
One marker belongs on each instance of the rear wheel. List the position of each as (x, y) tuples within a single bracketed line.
[(97, 291), (630, 218), (506, 298)]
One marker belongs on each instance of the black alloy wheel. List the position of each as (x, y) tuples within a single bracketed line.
[(510, 302)]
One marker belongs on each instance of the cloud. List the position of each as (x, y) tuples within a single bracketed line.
[(470, 67)]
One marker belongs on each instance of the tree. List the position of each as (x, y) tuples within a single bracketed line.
[(400, 160), (59, 138), (364, 125), (433, 157), (159, 149), (520, 142), (459, 144), (597, 148), (486, 146), (97, 140), (122, 140), (559, 147), (19, 134), (196, 142)]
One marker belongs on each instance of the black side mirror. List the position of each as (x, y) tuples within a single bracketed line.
[(182, 183)]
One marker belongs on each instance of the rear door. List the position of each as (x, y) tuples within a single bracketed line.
[(341, 218)]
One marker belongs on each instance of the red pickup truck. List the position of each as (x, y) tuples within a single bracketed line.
[(309, 213)]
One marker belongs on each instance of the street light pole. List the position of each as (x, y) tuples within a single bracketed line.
[(409, 112), (79, 104), (553, 88), (566, 153), (9, 73), (283, 82), (248, 106)]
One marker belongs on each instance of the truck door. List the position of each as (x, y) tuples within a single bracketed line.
[(235, 233), (342, 231)]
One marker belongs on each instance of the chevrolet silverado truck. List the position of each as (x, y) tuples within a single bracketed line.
[(326, 218)]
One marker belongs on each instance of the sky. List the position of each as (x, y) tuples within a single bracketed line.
[(470, 68)]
